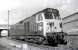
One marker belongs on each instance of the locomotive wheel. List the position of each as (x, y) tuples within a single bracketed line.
[(52, 42), (29, 39), (39, 40), (35, 39)]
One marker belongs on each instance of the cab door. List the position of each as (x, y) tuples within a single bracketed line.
[(39, 21)]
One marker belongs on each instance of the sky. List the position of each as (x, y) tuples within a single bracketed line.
[(20, 9)]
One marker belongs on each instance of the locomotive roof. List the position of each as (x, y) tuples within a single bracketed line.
[(44, 10)]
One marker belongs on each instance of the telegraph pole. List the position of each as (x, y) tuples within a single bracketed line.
[(8, 22)]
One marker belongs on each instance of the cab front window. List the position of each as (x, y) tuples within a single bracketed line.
[(48, 15), (51, 14)]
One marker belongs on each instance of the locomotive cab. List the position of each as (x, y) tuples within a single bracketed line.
[(52, 22)]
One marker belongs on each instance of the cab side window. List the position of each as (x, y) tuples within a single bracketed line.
[(39, 17)]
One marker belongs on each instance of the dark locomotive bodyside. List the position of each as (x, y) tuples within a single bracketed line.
[(44, 27)]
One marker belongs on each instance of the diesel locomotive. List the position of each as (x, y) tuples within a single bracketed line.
[(44, 27)]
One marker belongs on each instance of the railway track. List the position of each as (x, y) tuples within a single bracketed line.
[(71, 45)]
